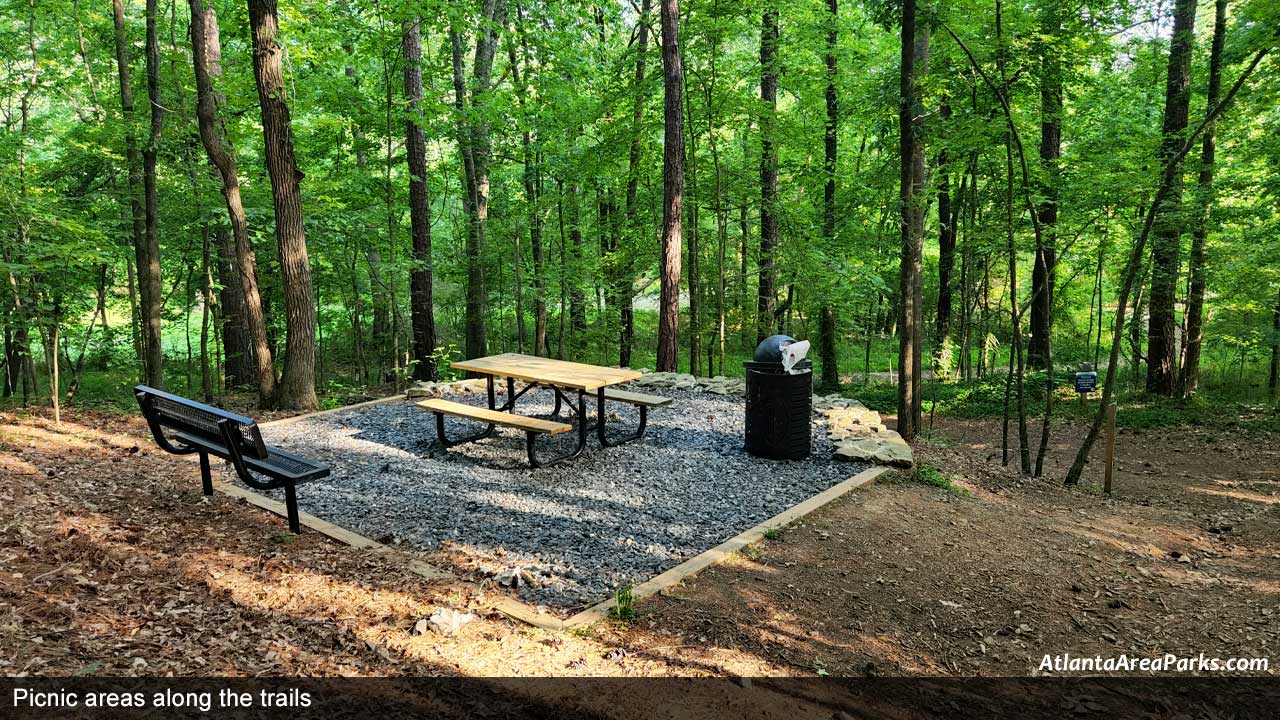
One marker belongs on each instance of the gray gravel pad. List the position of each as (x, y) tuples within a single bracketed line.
[(564, 536)]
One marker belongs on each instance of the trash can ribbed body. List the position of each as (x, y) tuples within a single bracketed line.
[(779, 406)]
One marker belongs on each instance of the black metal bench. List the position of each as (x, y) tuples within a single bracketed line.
[(207, 430)]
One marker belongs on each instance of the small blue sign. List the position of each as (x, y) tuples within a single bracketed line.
[(1086, 382)]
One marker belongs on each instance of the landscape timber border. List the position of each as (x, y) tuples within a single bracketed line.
[(525, 612)]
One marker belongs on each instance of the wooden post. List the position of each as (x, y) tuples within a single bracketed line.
[(1111, 446)]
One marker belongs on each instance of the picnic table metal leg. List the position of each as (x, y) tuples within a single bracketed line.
[(600, 433), (530, 437)]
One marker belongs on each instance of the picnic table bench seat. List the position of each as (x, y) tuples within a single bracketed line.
[(208, 430), (532, 427), (635, 398)]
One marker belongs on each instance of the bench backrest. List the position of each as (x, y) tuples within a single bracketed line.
[(194, 418)]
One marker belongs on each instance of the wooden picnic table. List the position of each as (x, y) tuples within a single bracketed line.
[(546, 371), (556, 375)]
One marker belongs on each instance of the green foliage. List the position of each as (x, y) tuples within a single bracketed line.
[(933, 477), (65, 211), (624, 608)]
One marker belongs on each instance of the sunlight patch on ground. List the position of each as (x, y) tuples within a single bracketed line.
[(1238, 495)]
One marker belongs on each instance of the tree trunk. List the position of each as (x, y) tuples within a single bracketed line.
[(474, 146), (827, 341), (238, 367), (767, 289), (626, 324), (296, 390), (672, 189), (424, 323), (692, 248), (134, 160), (1043, 272), (533, 194), (1273, 382), (1162, 350), (238, 256), (149, 255), (915, 58), (1189, 378), (577, 298)]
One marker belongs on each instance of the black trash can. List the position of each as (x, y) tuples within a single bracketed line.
[(779, 404)]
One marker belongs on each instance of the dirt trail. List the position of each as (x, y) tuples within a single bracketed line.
[(112, 563)]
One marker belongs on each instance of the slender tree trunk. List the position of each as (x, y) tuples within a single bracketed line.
[(423, 314), (1043, 272), (236, 347), (149, 258), (626, 273), (914, 61), (206, 50), (134, 160), (672, 189), (577, 298), (1162, 355), (693, 249), (1189, 378), (1273, 382), (206, 312), (532, 193), (474, 145), (1043, 280), (827, 340), (946, 251), (297, 383), (767, 289)]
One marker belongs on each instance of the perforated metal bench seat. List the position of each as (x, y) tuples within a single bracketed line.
[(207, 430), (277, 463)]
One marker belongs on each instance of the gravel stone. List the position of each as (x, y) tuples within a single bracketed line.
[(564, 536)]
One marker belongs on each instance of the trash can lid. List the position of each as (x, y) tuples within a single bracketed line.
[(770, 349)]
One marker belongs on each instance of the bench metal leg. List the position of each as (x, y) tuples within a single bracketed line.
[(531, 437), (291, 506), (600, 423), (445, 441), (206, 477)]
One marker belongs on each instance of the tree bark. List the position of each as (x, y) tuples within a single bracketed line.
[(1162, 355), (672, 189), (296, 389), (149, 257), (914, 60), (474, 146), (827, 341), (577, 299), (1043, 272), (626, 315), (134, 160), (693, 249), (1273, 381), (532, 193), (423, 315), (1189, 378), (241, 277), (767, 288)]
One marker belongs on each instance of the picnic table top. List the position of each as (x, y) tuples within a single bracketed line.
[(560, 373)]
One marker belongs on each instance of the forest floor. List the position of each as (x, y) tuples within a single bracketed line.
[(112, 563)]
